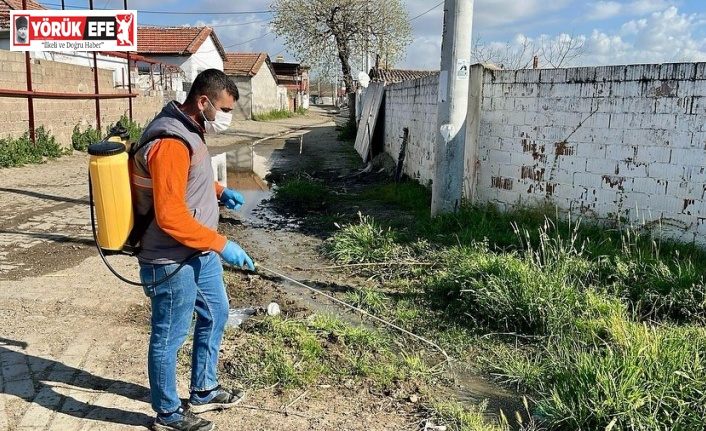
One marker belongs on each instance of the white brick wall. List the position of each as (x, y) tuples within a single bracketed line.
[(413, 104), (627, 141)]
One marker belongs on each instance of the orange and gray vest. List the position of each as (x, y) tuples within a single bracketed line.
[(156, 245)]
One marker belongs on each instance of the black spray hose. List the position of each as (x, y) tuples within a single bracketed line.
[(102, 255)]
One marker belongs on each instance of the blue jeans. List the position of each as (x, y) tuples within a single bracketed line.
[(197, 287)]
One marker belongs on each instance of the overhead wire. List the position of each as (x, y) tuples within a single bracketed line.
[(252, 12), (424, 13), (235, 24), (200, 13)]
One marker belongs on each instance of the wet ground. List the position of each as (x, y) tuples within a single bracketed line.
[(67, 322)]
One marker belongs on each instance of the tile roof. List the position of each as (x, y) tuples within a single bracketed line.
[(244, 63), (391, 76), (7, 5), (175, 40)]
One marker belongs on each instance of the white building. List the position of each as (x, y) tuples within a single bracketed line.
[(256, 80), (193, 49)]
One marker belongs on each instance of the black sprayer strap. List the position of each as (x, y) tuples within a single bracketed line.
[(142, 222)]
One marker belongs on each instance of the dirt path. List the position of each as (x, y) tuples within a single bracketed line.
[(74, 338)]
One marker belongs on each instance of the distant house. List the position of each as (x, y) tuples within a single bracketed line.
[(391, 76), (193, 49), (256, 80), (295, 78)]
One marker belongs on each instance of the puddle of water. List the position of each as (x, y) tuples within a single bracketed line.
[(471, 389), (246, 171), (246, 168)]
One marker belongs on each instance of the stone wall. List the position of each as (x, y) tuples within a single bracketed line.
[(605, 142), (413, 105)]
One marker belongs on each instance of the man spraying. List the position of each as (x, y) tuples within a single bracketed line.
[(172, 173)]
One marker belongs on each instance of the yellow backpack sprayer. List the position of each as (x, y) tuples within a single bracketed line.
[(118, 229), (109, 175)]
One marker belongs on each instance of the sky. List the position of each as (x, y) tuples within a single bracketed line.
[(612, 32)]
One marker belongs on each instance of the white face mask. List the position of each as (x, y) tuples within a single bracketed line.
[(220, 123)]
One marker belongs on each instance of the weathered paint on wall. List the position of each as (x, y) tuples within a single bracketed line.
[(243, 108), (606, 142), (413, 104), (258, 94), (265, 98)]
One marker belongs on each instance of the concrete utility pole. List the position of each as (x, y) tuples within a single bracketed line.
[(447, 187)]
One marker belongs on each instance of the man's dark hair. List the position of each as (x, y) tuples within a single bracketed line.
[(211, 82), (21, 22)]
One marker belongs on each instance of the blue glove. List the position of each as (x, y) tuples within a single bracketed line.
[(232, 199), (235, 255)]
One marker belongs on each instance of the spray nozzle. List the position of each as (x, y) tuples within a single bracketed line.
[(119, 130)]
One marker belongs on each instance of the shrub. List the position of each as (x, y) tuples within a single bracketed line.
[(81, 140), (21, 151)]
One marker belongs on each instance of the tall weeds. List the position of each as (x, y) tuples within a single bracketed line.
[(606, 326)]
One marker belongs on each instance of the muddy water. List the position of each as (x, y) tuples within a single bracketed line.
[(246, 172)]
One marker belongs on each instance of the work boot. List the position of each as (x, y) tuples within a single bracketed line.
[(216, 399), (181, 420)]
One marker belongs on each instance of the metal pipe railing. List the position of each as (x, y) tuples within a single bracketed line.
[(53, 95), (30, 100)]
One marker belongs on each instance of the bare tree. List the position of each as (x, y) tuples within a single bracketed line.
[(519, 55), (309, 27), (561, 51)]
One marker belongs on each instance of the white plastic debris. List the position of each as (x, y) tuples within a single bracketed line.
[(273, 309), (236, 316)]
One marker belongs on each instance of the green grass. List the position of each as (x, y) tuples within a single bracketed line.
[(407, 195), (363, 242), (275, 114), (634, 377), (319, 350), (80, 140), (373, 300), (458, 417), (302, 191), (323, 350), (348, 131), (603, 327)]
